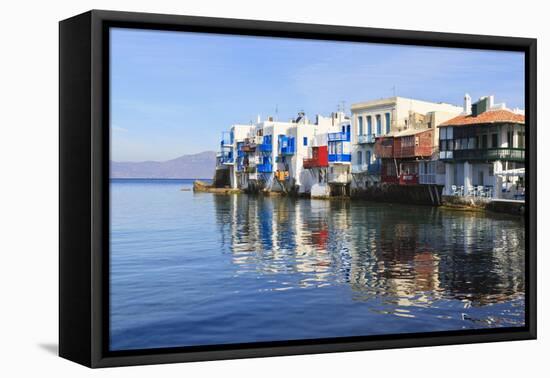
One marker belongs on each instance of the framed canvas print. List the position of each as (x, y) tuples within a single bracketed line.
[(235, 188)]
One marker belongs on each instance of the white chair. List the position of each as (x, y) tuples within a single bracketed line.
[(480, 191), (454, 190)]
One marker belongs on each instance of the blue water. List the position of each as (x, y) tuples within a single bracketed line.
[(201, 269)]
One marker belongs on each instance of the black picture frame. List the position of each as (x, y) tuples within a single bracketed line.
[(84, 186)]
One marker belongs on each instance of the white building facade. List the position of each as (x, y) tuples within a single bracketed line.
[(378, 118)]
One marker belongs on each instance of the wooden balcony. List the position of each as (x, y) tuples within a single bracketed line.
[(487, 154), (319, 158)]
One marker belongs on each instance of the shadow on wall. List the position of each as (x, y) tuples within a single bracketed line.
[(51, 348)]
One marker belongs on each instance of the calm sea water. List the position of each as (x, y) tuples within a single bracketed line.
[(200, 269)]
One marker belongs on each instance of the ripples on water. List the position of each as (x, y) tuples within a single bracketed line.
[(203, 269)]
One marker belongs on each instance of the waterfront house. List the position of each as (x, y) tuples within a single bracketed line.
[(409, 157), (380, 118), (339, 159), (272, 153), (238, 134), (484, 151), (317, 166), (400, 154)]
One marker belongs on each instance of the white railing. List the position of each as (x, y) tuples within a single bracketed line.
[(359, 168), (339, 178), (365, 138), (427, 179), (472, 191)]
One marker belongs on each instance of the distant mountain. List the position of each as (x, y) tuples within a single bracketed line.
[(201, 165)]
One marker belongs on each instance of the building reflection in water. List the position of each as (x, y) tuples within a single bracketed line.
[(399, 255)]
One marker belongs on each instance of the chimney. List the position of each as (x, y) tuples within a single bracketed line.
[(467, 104), (491, 102)]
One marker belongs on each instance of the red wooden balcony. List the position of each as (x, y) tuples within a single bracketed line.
[(319, 158), (383, 147), (418, 145)]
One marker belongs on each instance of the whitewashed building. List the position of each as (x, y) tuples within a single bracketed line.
[(484, 151), (378, 118)]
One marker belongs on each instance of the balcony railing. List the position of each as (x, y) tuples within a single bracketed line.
[(315, 163), (359, 168), (374, 168), (428, 178), (337, 137), (509, 154), (339, 158), (287, 150), (265, 168), (287, 145), (366, 138), (371, 169), (225, 158), (339, 178), (265, 147), (227, 139)]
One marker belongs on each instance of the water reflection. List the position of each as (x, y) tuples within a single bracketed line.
[(400, 259)]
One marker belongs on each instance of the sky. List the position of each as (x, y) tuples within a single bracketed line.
[(173, 93)]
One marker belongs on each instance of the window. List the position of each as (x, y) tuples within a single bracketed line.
[(388, 123), (378, 124), (510, 139), (521, 139), (367, 157), (360, 120), (305, 141), (443, 133), (359, 157), (369, 125), (484, 141), (494, 140), (472, 143)]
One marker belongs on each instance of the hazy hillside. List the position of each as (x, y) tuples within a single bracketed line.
[(201, 165)]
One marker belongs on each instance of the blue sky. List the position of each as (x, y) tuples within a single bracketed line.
[(172, 93)]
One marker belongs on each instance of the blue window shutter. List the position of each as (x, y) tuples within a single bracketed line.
[(369, 125), (305, 141)]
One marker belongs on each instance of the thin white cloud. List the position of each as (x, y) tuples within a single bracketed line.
[(119, 129)]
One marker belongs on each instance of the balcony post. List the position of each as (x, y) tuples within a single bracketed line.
[(449, 173), (497, 186), (467, 176)]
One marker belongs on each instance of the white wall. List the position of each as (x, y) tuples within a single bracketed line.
[(29, 193)]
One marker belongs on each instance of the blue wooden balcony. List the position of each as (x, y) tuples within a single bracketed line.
[(227, 139), (266, 145), (265, 168), (287, 145), (339, 158), (339, 137), (374, 168), (226, 157)]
